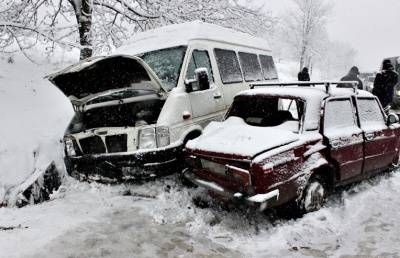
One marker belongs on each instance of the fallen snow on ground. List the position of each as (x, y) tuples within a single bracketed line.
[(161, 218)]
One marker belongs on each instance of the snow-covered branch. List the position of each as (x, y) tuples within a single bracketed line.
[(102, 25)]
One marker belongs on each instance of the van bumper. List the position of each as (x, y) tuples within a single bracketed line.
[(124, 166), (261, 200)]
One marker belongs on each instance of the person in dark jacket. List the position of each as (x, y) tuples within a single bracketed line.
[(303, 75), (352, 75), (384, 84)]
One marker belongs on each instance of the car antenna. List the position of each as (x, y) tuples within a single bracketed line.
[(328, 88), (355, 87)]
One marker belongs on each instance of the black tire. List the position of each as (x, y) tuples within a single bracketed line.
[(314, 195)]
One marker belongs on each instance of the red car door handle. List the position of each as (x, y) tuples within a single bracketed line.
[(369, 136), (335, 143)]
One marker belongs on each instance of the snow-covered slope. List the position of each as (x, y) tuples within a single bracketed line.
[(33, 115)]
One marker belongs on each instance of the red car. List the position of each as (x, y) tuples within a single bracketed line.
[(289, 146)]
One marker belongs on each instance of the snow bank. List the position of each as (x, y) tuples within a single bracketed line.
[(34, 115)]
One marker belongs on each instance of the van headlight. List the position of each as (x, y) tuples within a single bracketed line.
[(69, 147), (153, 137), (398, 93)]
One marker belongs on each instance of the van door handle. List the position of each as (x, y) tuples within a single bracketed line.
[(217, 96), (98, 132), (369, 136), (335, 143)]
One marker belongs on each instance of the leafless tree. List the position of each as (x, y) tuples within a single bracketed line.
[(304, 25), (97, 26)]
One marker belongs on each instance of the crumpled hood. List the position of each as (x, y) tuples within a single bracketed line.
[(235, 137), (102, 73)]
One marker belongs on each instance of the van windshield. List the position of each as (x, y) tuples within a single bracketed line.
[(166, 63)]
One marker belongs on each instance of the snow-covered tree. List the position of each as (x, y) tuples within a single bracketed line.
[(100, 25), (304, 28), (338, 59)]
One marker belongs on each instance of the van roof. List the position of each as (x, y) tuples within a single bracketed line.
[(181, 34)]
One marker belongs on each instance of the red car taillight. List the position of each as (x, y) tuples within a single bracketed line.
[(238, 174)]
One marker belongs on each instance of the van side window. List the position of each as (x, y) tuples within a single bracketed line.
[(250, 66), (268, 67), (199, 58), (228, 66)]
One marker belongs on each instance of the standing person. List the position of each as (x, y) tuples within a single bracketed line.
[(352, 75), (303, 75), (384, 84)]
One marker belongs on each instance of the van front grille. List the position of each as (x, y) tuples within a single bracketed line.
[(95, 145), (92, 145), (117, 143)]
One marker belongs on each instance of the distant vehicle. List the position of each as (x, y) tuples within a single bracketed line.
[(364, 75), (369, 83), (287, 147), (396, 92), (135, 110)]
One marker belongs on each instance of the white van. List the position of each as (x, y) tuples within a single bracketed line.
[(136, 109)]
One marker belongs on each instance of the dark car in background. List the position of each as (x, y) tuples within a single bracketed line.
[(369, 83)]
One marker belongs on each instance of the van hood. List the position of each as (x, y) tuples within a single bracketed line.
[(234, 137), (97, 75)]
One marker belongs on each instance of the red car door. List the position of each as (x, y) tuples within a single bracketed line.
[(380, 139), (344, 137)]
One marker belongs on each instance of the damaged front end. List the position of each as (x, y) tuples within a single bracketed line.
[(114, 134), (119, 142)]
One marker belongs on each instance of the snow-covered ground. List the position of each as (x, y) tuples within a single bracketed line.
[(160, 218)]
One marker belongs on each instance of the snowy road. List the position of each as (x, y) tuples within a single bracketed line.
[(159, 219)]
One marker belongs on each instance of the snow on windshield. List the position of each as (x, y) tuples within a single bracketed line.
[(166, 63), (342, 107), (371, 116)]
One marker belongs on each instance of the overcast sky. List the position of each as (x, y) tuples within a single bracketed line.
[(369, 26)]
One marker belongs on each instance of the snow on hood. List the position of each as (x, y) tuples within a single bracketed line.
[(103, 73), (235, 137)]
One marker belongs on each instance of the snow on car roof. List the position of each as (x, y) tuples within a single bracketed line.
[(306, 93), (181, 34), (313, 96)]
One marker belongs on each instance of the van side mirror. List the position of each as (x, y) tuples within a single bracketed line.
[(392, 119), (200, 81), (202, 78), (188, 85)]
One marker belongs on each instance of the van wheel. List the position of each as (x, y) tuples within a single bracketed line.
[(314, 195)]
